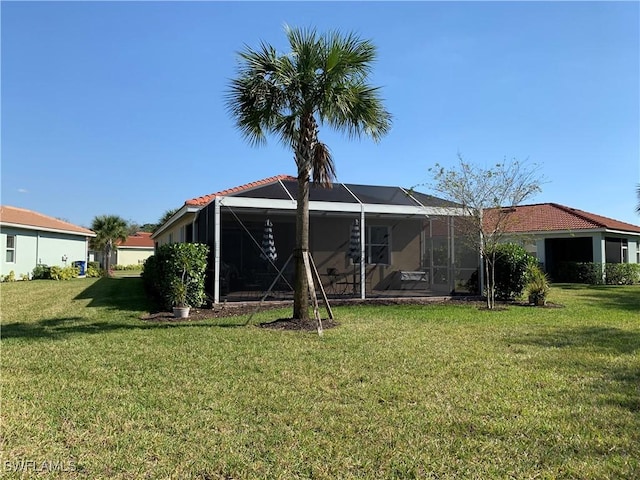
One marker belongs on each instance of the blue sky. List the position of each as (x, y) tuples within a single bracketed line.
[(118, 107)]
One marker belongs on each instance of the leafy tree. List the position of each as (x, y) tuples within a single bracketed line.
[(109, 229), (486, 195), (321, 81), (147, 227)]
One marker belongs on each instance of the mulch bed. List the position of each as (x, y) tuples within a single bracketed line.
[(245, 309)]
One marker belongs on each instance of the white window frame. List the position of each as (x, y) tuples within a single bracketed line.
[(368, 246), (11, 249)]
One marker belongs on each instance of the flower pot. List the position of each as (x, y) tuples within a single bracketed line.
[(181, 312)]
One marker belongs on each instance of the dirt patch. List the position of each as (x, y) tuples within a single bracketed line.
[(222, 311), (294, 324)]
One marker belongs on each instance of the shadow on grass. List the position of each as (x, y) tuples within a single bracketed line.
[(588, 347), (599, 339), (619, 297), (125, 293), (58, 328)]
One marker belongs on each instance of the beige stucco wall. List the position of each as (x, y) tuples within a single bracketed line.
[(132, 256), (176, 233)]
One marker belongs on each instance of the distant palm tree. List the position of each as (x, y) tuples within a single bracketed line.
[(322, 80), (638, 192), (109, 229)]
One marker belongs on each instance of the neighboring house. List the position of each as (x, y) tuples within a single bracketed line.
[(556, 234), (409, 240), (29, 238), (133, 251)]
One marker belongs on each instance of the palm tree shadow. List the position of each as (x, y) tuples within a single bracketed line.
[(63, 327), (125, 293)]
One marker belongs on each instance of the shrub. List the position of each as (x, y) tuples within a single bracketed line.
[(41, 272), (95, 265), (93, 272), (128, 267), (622, 273), (579, 272), (178, 262), (512, 262), (537, 286), (11, 277), (64, 273)]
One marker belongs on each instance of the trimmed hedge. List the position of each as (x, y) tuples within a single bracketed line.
[(591, 273), (622, 273), (166, 267)]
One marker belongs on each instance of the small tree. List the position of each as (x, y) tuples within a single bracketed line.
[(487, 196), (109, 229)]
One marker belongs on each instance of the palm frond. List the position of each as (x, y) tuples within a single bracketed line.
[(323, 168)]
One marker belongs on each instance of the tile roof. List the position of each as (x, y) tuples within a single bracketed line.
[(553, 217), (34, 220), (206, 199), (139, 239)]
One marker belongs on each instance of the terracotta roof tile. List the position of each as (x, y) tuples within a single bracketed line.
[(29, 218), (546, 217), (139, 239), (206, 199)]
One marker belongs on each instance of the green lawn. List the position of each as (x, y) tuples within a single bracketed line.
[(393, 392)]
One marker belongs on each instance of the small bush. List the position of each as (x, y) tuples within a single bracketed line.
[(128, 267), (41, 272), (163, 270), (93, 272), (64, 273), (537, 286), (512, 262), (11, 277), (95, 265)]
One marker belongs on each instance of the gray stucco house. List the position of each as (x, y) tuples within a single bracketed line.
[(28, 238), (557, 234)]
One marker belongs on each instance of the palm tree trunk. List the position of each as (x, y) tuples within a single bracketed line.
[(301, 286), (107, 259)]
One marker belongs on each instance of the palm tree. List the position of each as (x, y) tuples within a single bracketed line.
[(638, 192), (321, 81), (109, 230)]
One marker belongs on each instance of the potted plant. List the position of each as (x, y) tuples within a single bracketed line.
[(537, 285), (179, 300)]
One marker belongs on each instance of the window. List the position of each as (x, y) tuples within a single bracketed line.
[(11, 249), (378, 245)]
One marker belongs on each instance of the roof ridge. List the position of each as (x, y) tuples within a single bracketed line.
[(582, 214), (206, 199)]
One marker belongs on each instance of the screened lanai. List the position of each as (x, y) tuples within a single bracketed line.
[(365, 241)]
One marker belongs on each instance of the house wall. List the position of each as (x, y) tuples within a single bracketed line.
[(537, 245), (132, 256), (33, 247), (178, 233)]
